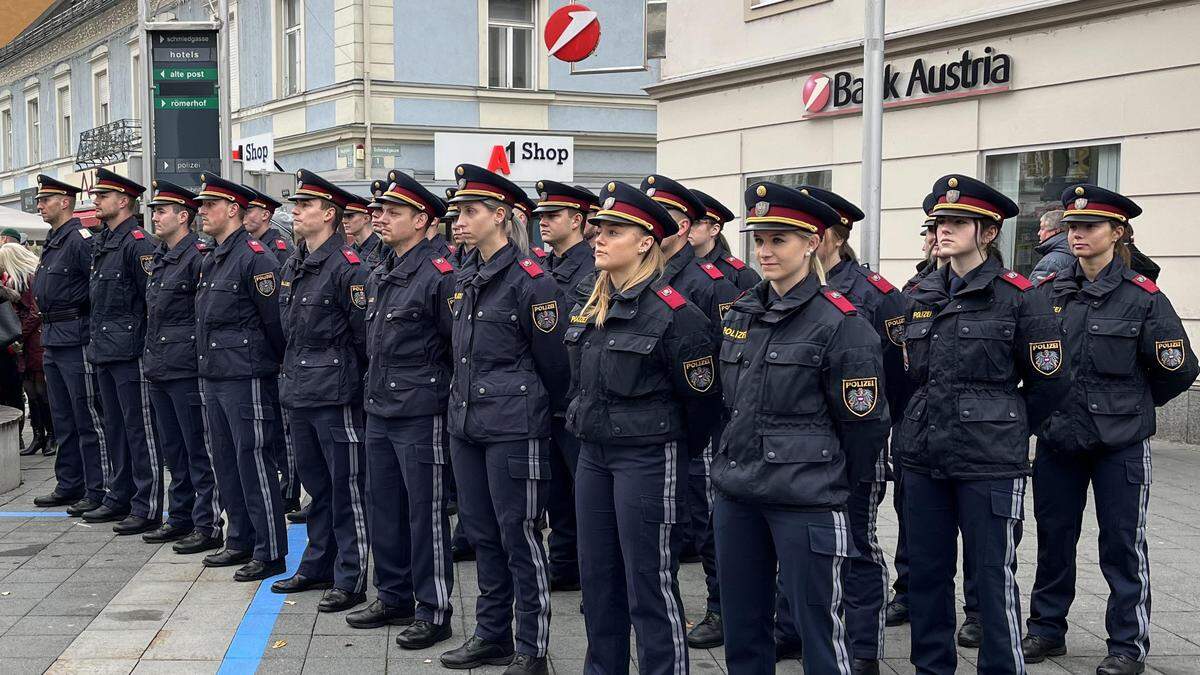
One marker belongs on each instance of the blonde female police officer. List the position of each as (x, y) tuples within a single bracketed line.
[(644, 392), (973, 334), (1130, 355), (803, 390)]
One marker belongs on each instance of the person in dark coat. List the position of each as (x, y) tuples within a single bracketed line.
[(1130, 355), (1053, 247), (707, 238), (18, 265)]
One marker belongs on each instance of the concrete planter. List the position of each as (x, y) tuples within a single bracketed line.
[(10, 448), (1179, 420)]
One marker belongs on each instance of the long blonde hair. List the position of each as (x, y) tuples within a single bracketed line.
[(517, 234), (596, 306), (20, 263)]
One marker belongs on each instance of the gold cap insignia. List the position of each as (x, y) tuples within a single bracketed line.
[(953, 182), (803, 191), (650, 180), (611, 186), (460, 171), (540, 188), (761, 191), (1079, 191), (845, 222)]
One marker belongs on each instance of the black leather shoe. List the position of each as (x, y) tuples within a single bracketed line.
[(291, 505), (227, 557), (339, 600), (1036, 648), (257, 570), (897, 614), (788, 650), (708, 633), (56, 498), (135, 525), (37, 444), (476, 652), (423, 635), (81, 507), (105, 514), (378, 614), (298, 583), (971, 633), (197, 543), (461, 554), (865, 667), (559, 584), (167, 532), (300, 516), (1119, 664), (527, 664)]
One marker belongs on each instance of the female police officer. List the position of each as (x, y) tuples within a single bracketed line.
[(803, 378), (510, 376), (972, 334), (1130, 354), (643, 380)]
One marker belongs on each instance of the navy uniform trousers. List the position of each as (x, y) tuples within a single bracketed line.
[(192, 498), (560, 507), (631, 505), (408, 480), (1121, 480), (810, 550), (242, 427), (285, 459), (332, 463), (700, 533), (989, 515), (137, 481), (81, 465), (502, 490)]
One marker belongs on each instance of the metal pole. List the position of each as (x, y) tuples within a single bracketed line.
[(144, 48), (368, 142), (225, 100), (872, 120)]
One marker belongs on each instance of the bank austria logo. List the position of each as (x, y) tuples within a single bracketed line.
[(970, 75)]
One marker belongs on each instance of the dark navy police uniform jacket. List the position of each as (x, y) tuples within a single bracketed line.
[(60, 286), (275, 242), (171, 310), (120, 267)]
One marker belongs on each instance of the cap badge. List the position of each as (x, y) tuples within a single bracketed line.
[(542, 194), (761, 191), (611, 186), (460, 171), (761, 208), (462, 182), (1079, 191), (1081, 203), (541, 188), (609, 203), (649, 192), (392, 175), (650, 180), (953, 182), (803, 191), (952, 195), (300, 173), (845, 222)]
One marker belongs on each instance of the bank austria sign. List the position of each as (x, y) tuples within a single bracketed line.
[(922, 82)]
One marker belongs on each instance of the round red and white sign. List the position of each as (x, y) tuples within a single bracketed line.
[(572, 33), (816, 92)]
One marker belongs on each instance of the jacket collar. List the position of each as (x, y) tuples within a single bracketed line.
[(401, 269), (624, 305), (171, 255), (1073, 280), (762, 300), (59, 237), (112, 237), (235, 238), (315, 259), (499, 262), (369, 246), (680, 260), (570, 260)]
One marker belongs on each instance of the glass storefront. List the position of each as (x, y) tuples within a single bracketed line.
[(821, 178), (1035, 180)]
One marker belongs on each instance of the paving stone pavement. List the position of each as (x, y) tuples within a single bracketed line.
[(77, 598)]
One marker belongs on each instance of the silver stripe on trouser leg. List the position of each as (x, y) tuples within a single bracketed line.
[(1142, 610), (260, 464), (666, 581), (1012, 601), (89, 385), (152, 445), (440, 577), (841, 645), (533, 540), (357, 504), (215, 505)]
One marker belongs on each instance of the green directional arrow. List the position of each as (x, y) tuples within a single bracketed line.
[(185, 74), (185, 102)]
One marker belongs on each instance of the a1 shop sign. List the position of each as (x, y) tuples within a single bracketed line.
[(970, 75), (516, 157), (256, 152)]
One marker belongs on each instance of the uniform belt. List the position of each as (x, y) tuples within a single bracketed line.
[(61, 315)]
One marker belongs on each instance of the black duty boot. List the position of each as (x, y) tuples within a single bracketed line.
[(865, 667), (36, 445), (527, 664), (708, 633), (81, 507), (57, 498), (227, 557), (167, 532), (897, 613), (135, 525), (339, 600), (971, 633), (300, 516), (298, 583), (1119, 664), (423, 635), (197, 542), (257, 570), (1036, 648), (378, 614), (477, 652), (104, 514)]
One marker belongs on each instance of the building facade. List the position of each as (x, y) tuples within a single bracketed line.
[(1030, 96), (349, 88)]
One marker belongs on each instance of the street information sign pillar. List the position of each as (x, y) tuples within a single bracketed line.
[(186, 105)]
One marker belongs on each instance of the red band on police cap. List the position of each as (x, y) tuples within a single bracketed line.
[(969, 204), (222, 193), (673, 201), (485, 190), (566, 201), (782, 214), (407, 196), (632, 214), (1097, 209)]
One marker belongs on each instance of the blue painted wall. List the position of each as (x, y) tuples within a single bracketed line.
[(256, 52), (320, 159), (582, 118), (319, 116), (318, 43), (437, 46)]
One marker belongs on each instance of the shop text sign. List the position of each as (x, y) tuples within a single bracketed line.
[(519, 158), (923, 82)]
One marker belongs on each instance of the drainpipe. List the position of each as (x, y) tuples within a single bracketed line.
[(872, 134), (367, 141)]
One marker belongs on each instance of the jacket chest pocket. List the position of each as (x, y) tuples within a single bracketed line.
[(916, 346), (175, 299), (731, 357), (1113, 345), (496, 334), (317, 313), (224, 300), (997, 422), (792, 382), (112, 289), (403, 334), (985, 348), (627, 368)]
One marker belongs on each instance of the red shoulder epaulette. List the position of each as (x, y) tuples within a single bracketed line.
[(711, 270), (1143, 282), (452, 248), (838, 300), (138, 234), (531, 268), (281, 244), (538, 251), (1049, 277), (443, 265), (735, 263), (255, 246), (672, 297), (351, 256), (1017, 280), (202, 247), (879, 282)]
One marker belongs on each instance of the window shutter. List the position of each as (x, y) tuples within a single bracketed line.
[(235, 98)]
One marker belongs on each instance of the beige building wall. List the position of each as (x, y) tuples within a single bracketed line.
[(1084, 73)]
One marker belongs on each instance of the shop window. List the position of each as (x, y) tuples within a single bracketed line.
[(64, 121), (292, 47), (33, 132), (1035, 180), (821, 178), (656, 29), (100, 96), (510, 44)]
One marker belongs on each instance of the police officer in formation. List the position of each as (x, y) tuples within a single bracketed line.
[(1129, 354), (193, 507), (240, 343), (359, 233), (121, 262), (644, 400), (707, 238)]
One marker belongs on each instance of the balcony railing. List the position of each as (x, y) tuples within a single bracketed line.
[(109, 144)]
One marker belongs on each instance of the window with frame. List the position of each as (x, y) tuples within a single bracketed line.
[(6, 136), (100, 96), (821, 178), (656, 29), (63, 100), (292, 47), (33, 128), (135, 81), (1035, 180), (510, 44)]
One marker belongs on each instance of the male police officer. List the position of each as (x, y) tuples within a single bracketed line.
[(323, 302), (60, 288), (194, 512), (710, 244), (120, 265), (409, 325), (240, 343), (357, 225)]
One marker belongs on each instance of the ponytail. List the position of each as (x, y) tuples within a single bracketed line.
[(845, 250), (1121, 248)]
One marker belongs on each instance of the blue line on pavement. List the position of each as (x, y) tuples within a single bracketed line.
[(250, 640), (33, 514)]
